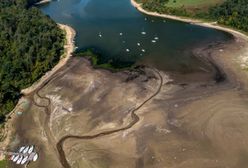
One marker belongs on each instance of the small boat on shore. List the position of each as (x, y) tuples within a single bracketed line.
[(21, 149), (25, 150), (19, 160), (35, 157), (24, 160), (12, 157), (16, 158)]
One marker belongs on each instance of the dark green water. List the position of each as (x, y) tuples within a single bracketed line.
[(108, 18)]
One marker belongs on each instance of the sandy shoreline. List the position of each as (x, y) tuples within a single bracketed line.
[(69, 48)]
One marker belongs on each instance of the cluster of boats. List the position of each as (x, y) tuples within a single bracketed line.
[(24, 155), (154, 40)]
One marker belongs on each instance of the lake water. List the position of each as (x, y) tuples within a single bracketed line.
[(123, 34)]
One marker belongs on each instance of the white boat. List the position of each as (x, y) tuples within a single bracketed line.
[(35, 157), (143, 50), (143, 33), (31, 149), (100, 35), (12, 157), (24, 160), (127, 50), (156, 38), (16, 158), (138, 44), (153, 41), (121, 34), (25, 150), (19, 160), (21, 149)]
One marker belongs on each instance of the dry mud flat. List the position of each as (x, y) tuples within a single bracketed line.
[(188, 124), (82, 101)]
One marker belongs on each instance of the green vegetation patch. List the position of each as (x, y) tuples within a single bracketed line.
[(30, 45), (193, 3), (232, 13), (3, 163), (98, 61)]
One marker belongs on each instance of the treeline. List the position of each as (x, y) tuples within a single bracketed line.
[(160, 7), (30, 45), (232, 13)]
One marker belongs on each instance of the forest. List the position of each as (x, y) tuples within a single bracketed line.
[(231, 13), (30, 44)]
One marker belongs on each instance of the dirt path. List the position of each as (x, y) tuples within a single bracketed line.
[(46, 107), (59, 145)]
